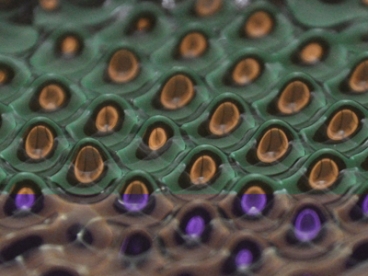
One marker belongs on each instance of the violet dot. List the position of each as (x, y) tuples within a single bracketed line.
[(195, 226), (25, 201), (365, 205), (244, 258), (135, 202), (307, 225), (253, 204)]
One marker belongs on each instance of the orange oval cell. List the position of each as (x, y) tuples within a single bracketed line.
[(205, 8), (203, 170), (26, 191), (39, 142), (224, 119), (49, 5), (311, 53), (272, 146), (193, 45), (342, 125), (295, 96), (157, 138), (107, 119), (123, 66), (52, 97), (3, 76), (143, 24), (70, 46), (88, 165), (358, 80), (246, 71), (177, 92), (259, 24), (323, 174), (136, 187), (254, 190)]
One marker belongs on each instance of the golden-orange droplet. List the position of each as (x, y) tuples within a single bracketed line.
[(311, 53), (136, 187), (177, 92), (272, 146), (157, 138), (107, 118), (358, 81), (342, 125), (323, 174), (224, 119), (193, 45), (293, 98), (49, 5), (39, 142), (203, 170), (88, 165), (3, 76), (205, 8), (254, 190), (70, 46), (365, 2), (259, 24), (123, 66), (143, 24), (25, 191), (246, 71), (52, 97)]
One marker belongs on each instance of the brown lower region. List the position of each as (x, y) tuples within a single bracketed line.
[(86, 239)]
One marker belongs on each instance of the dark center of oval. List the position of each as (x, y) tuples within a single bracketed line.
[(157, 138), (259, 24), (224, 119), (272, 146), (246, 71), (307, 225), (204, 8), (193, 45), (177, 92), (294, 97), (253, 201), (39, 142), (88, 165), (312, 53), (107, 119), (51, 97), (358, 80), (135, 197), (123, 66), (203, 170), (342, 125), (324, 174)]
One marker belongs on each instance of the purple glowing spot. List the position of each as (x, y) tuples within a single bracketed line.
[(365, 206), (135, 202), (307, 225), (253, 204), (25, 199), (244, 258), (195, 227)]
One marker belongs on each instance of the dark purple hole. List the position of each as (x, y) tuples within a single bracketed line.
[(195, 226), (307, 225), (24, 201), (136, 244), (253, 204), (135, 202)]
